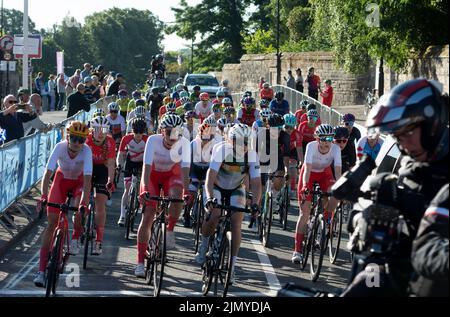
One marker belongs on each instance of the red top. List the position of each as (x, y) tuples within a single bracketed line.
[(304, 118), (306, 132), (162, 111), (134, 149), (101, 153), (298, 115), (329, 99), (296, 139), (266, 93)]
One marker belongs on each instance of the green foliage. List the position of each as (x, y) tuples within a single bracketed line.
[(299, 23), (260, 42), (13, 22)]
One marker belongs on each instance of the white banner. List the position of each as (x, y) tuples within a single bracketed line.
[(59, 62)]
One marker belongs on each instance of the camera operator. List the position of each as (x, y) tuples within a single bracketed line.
[(416, 114)]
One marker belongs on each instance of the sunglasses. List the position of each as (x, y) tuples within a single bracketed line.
[(114, 111), (349, 124), (341, 141), (312, 118), (11, 102), (326, 139), (77, 139), (217, 110), (138, 131)]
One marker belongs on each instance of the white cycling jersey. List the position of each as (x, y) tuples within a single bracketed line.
[(131, 115), (117, 126), (201, 156), (164, 159), (321, 161), (71, 168), (203, 111)]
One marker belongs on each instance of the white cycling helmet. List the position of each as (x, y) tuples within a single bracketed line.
[(171, 121), (113, 106), (100, 122), (240, 131), (140, 111), (210, 121), (171, 107), (266, 112), (324, 130)]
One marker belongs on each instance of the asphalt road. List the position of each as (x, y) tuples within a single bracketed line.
[(260, 271)]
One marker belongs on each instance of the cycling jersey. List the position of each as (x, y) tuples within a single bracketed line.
[(117, 126), (265, 148), (319, 161), (230, 170), (296, 140), (304, 118), (71, 168), (266, 94), (135, 149), (364, 147), (298, 115), (189, 133), (306, 132), (123, 103), (194, 97), (280, 108), (257, 124), (101, 153), (163, 159), (132, 115), (248, 117), (131, 105), (202, 111)]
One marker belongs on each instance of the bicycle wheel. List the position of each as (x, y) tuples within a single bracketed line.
[(267, 220), (208, 269), (129, 214), (226, 262), (317, 247), (286, 204), (87, 238), (53, 265), (197, 226), (159, 259), (334, 235)]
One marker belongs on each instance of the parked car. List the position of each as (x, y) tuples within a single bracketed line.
[(208, 83)]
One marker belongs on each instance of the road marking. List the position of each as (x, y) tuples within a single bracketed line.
[(24, 271), (269, 271)]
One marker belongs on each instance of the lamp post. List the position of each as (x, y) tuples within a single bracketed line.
[(278, 45)]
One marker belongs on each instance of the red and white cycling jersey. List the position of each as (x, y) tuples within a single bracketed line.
[(202, 111), (321, 161), (101, 153), (134, 149), (163, 159), (71, 168), (117, 126)]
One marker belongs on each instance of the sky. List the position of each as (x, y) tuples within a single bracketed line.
[(45, 13)]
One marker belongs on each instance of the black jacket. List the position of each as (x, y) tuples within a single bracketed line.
[(77, 102), (13, 124), (430, 250), (113, 89)]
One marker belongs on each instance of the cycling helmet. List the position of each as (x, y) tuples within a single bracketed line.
[(221, 123), (196, 88), (77, 128), (155, 90), (324, 130), (136, 94), (190, 114), (229, 110), (183, 94), (240, 131), (263, 103), (99, 121), (123, 93), (311, 106), (275, 120), (226, 91), (166, 100), (204, 127), (113, 106), (415, 102), (312, 113), (348, 117), (266, 112), (210, 121), (171, 121), (204, 96), (216, 102), (140, 111), (184, 100), (188, 106), (138, 125), (225, 82), (248, 93), (171, 107), (98, 113), (304, 104), (289, 120), (179, 88), (140, 102), (279, 95), (175, 95), (227, 101), (266, 85), (220, 94), (341, 133), (249, 101)]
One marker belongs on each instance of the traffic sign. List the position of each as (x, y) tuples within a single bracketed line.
[(7, 56), (34, 46), (6, 43)]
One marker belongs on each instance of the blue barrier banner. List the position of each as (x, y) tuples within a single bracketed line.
[(12, 169)]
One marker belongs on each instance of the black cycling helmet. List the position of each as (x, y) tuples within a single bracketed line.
[(140, 102), (279, 95), (138, 125), (311, 106), (155, 90), (414, 102), (196, 88), (275, 120), (341, 132)]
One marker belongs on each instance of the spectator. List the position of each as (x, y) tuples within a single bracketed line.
[(266, 92), (261, 83), (313, 82), (52, 91), (35, 124), (24, 95), (96, 87), (290, 81), (73, 81), (86, 71), (77, 102), (61, 89), (39, 83), (100, 73), (11, 120), (327, 94), (298, 80), (113, 89), (2, 136), (88, 90)]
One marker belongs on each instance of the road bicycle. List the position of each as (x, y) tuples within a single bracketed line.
[(133, 203), (196, 214)]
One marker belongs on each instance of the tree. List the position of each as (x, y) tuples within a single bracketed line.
[(260, 42), (299, 23), (13, 22)]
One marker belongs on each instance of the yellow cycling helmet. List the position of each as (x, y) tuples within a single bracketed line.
[(77, 128), (166, 100)]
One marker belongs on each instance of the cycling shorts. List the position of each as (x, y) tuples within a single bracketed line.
[(232, 197), (293, 155), (60, 187), (324, 178), (164, 181), (131, 168), (100, 178)]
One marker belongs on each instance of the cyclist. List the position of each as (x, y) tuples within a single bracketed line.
[(262, 121), (279, 105), (304, 116), (295, 148), (116, 123), (188, 127), (123, 101), (141, 112), (229, 113), (203, 108), (300, 112), (307, 130), (221, 124), (135, 96), (231, 161), (370, 145), (341, 136), (103, 149), (227, 102), (217, 111), (72, 161), (348, 121), (155, 101), (266, 92), (131, 153), (219, 97), (195, 95), (167, 159), (263, 104), (248, 113), (319, 156)]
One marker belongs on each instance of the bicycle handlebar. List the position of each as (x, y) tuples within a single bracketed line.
[(166, 199), (60, 206), (235, 209)]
